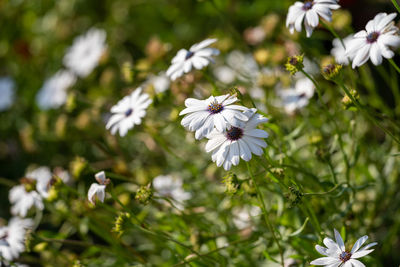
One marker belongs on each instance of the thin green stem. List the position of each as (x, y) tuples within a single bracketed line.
[(394, 65), (396, 5), (211, 81), (332, 119), (330, 28), (335, 181), (260, 197)]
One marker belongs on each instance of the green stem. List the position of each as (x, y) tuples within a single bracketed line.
[(396, 5), (362, 109), (394, 65), (260, 197), (341, 143), (330, 28), (211, 81)]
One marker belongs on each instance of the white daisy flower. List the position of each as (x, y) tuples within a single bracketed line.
[(309, 11), (35, 186), (12, 238), (376, 41), (238, 141), (339, 51), (171, 187), (128, 112), (225, 74), (85, 53), (337, 255), (298, 97), (98, 190), (203, 115), (53, 94), (198, 56), (6, 93)]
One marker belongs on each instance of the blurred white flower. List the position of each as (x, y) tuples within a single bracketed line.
[(98, 190), (238, 141), (160, 82), (53, 93), (337, 255), (7, 93), (12, 238), (22, 200), (128, 112), (244, 65), (225, 74), (243, 217), (376, 41), (85, 53), (198, 56), (42, 175), (35, 186), (171, 187), (309, 11), (339, 52), (203, 115), (297, 97)]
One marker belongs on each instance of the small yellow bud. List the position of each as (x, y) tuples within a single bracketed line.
[(331, 71), (144, 194), (294, 64), (346, 100)]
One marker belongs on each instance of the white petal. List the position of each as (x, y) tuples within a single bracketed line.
[(339, 240), (356, 263), (359, 243), (375, 54), (324, 261), (312, 18)]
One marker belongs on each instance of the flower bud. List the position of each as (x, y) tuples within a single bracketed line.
[(144, 194), (231, 183), (331, 71), (294, 64), (346, 100)]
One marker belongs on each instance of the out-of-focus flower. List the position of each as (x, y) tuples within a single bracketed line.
[(243, 217), (198, 56), (238, 141), (53, 93), (98, 190), (22, 200), (254, 36), (12, 238), (339, 51), (376, 41), (298, 97), (7, 93), (171, 187), (245, 66), (42, 175), (203, 115), (128, 112), (85, 53), (309, 11), (160, 82), (225, 74), (34, 187), (337, 255)]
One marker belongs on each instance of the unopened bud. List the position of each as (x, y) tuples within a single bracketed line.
[(294, 64), (144, 194), (331, 71)]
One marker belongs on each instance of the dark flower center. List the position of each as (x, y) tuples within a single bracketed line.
[(372, 37), (4, 236), (189, 54), (234, 133), (345, 256), (215, 107), (308, 5), (128, 112)]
